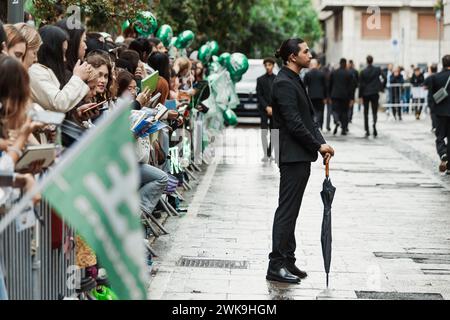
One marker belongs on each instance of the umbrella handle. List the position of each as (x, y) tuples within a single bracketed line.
[(327, 168)]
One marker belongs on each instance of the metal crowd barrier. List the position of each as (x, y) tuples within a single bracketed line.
[(405, 97), (33, 267)]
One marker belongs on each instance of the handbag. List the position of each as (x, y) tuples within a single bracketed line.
[(442, 93)]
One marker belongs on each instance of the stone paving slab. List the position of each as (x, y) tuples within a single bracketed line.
[(390, 199)]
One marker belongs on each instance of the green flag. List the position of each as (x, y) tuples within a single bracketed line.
[(95, 189)]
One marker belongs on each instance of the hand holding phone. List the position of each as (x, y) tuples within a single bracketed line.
[(94, 106)]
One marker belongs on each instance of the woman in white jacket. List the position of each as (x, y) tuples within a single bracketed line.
[(51, 86)]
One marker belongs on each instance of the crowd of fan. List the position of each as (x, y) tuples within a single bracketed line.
[(70, 71)]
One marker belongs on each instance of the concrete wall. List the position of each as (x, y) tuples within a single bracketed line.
[(404, 29)]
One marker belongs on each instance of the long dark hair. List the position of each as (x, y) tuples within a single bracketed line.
[(287, 48), (51, 53), (160, 61), (74, 43), (14, 94)]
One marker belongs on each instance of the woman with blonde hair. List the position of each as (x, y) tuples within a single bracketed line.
[(34, 42)]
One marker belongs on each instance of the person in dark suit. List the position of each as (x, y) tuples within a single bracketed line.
[(442, 112), (340, 90), (316, 84), (299, 141), (263, 94), (369, 87), (417, 80), (427, 84), (355, 83)]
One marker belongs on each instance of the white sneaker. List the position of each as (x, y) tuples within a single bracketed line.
[(265, 159)]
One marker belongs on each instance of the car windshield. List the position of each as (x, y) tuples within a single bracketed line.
[(254, 72)]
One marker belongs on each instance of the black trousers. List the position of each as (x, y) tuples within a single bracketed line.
[(319, 108), (442, 132), (266, 139), (371, 101), (293, 180), (341, 108)]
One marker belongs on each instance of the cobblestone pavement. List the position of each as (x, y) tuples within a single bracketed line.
[(391, 219)]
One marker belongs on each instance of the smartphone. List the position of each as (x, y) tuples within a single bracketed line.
[(94, 106), (48, 117), (154, 100), (103, 109)]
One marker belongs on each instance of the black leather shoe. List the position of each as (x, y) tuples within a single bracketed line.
[(296, 271), (336, 129), (281, 275), (375, 133), (367, 134)]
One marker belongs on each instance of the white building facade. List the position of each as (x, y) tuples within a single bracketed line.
[(401, 32)]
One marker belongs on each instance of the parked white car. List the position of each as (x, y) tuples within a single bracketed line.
[(246, 88)]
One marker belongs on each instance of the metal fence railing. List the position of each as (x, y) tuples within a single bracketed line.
[(404, 98), (35, 261)]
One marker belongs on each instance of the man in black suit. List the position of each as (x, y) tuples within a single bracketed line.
[(340, 90), (316, 84), (442, 112), (369, 87), (263, 94), (355, 77), (299, 143)]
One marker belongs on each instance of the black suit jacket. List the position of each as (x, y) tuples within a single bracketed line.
[(355, 79), (316, 83), (264, 91), (341, 84), (369, 81), (438, 81), (293, 115)]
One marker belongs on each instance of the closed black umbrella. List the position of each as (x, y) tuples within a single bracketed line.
[(327, 195)]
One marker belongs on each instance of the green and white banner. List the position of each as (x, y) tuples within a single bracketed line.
[(95, 189)]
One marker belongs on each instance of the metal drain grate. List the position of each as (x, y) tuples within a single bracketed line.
[(401, 185), (427, 258), (196, 262), (436, 271), (398, 295)]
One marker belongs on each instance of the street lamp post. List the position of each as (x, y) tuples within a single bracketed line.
[(15, 11)]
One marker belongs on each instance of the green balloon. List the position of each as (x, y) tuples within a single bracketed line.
[(185, 39), (230, 117), (173, 41), (165, 34), (238, 65), (204, 54), (236, 78), (224, 58), (145, 23), (214, 47), (214, 67), (125, 25)]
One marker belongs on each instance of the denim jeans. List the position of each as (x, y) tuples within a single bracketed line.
[(3, 292), (153, 184), (165, 144)]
